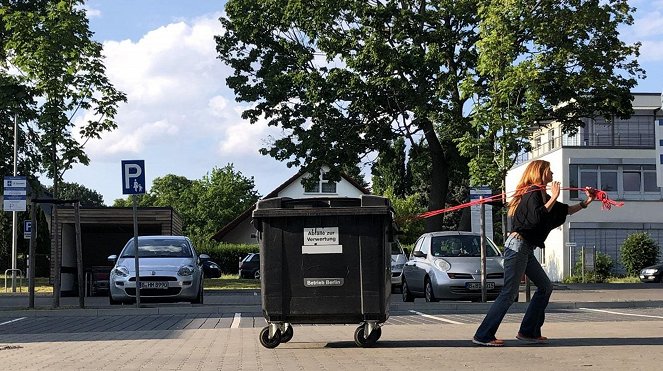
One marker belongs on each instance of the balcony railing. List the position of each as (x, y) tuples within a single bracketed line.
[(605, 141)]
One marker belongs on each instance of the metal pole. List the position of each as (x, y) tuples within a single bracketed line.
[(31, 256), (136, 264), (482, 228), (57, 263), (79, 255), (14, 237)]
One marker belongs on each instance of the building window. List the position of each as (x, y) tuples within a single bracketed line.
[(551, 139), (618, 181), (324, 185)]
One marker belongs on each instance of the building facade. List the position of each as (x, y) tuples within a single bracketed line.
[(618, 157)]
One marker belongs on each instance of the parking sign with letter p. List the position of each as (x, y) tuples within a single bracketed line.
[(133, 177)]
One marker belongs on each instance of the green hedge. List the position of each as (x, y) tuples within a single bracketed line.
[(226, 255)]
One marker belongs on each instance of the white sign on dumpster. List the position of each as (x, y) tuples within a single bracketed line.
[(322, 240)]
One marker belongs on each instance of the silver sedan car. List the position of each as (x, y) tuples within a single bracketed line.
[(447, 265), (170, 270)]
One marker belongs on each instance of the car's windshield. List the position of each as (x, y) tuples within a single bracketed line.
[(461, 245), (158, 248)]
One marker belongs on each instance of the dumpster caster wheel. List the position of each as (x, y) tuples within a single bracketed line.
[(266, 341), (366, 342), (287, 335)]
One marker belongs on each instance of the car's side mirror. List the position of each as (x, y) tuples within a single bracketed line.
[(418, 254), (112, 258)]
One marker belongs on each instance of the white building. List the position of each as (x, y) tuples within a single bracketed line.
[(240, 229), (617, 157)]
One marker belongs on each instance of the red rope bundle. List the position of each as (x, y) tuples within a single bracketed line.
[(599, 195)]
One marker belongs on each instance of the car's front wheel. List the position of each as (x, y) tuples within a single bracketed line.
[(405, 292), (113, 301), (199, 297), (430, 295)]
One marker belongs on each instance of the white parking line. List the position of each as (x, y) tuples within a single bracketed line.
[(436, 318), (623, 314), (14, 320), (235, 324)]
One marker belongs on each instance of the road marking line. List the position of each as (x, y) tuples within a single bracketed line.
[(436, 318), (14, 320), (623, 314), (235, 324)]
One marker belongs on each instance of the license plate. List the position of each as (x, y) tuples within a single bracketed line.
[(153, 285), (477, 285)]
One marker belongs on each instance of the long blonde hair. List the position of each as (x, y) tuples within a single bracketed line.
[(533, 175)]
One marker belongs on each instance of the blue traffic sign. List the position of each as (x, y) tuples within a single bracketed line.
[(27, 229), (133, 177)]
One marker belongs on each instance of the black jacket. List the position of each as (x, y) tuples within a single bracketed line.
[(533, 221)]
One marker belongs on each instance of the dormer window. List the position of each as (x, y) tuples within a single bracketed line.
[(324, 185)]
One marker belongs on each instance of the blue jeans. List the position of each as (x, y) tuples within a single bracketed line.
[(518, 259)]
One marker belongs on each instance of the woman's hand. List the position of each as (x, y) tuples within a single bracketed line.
[(554, 190), (589, 192)]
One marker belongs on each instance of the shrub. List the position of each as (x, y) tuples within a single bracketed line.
[(638, 251), (226, 255), (603, 265)]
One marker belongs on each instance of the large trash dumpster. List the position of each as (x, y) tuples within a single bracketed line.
[(324, 261)]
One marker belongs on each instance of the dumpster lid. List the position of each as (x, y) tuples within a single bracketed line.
[(286, 206)]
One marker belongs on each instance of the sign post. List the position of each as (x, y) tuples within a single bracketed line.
[(477, 213), (133, 183), (13, 200)]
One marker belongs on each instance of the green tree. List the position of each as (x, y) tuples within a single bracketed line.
[(50, 44), (222, 195), (205, 205), (75, 191), (639, 250), (406, 210), (390, 170), (345, 77), (542, 61)]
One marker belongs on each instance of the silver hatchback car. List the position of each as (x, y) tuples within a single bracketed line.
[(170, 270), (447, 265)]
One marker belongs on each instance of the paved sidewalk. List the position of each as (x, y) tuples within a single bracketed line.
[(248, 301), (635, 345)]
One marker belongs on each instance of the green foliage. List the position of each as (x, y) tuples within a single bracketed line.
[(639, 250), (560, 72), (227, 256), (406, 210), (75, 191), (50, 44), (603, 265), (389, 171), (205, 205), (345, 78)]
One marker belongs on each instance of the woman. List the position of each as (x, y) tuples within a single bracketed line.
[(534, 214)]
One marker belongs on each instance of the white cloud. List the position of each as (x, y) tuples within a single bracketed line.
[(651, 50), (242, 138), (180, 117), (91, 12)]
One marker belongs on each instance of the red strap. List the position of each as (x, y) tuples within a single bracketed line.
[(606, 202)]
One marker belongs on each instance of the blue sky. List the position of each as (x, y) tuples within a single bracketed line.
[(182, 119)]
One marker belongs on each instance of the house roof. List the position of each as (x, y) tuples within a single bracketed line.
[(218, 236)]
